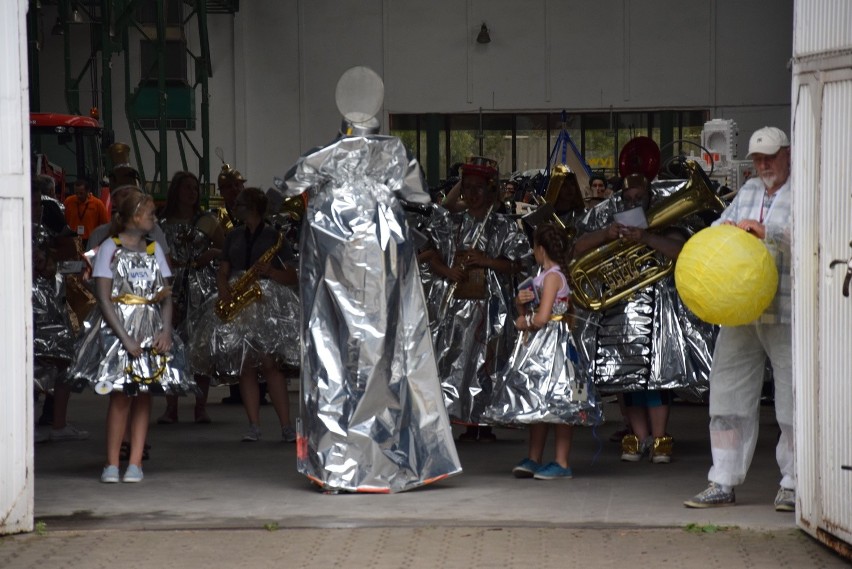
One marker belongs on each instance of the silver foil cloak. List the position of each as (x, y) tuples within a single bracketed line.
[(543, 383), (372, 414), (103, 363), (191, 285), (474, 338), (268, 326), (651, 340), (53, 340)]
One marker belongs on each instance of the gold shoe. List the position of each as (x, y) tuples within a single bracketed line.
[(631, 450), (661, 452)]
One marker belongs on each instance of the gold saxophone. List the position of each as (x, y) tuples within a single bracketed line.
[(245, 289), (612, 272)]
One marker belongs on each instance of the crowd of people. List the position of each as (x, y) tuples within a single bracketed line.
[(203, 298)]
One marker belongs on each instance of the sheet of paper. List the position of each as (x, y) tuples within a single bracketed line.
[(632, 218)]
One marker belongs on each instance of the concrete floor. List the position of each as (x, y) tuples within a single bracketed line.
[(201, 477)]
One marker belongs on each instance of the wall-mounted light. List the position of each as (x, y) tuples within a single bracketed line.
[(57, 29), (483, 36)]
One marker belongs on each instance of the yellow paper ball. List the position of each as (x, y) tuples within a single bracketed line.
[(726, 276)]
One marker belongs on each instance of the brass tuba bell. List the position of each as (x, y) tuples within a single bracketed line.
[(612, 272)]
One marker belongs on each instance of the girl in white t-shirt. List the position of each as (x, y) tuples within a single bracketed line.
[(127, 348)]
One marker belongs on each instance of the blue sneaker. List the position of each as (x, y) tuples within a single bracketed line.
[(526, 468), (552, 471), (133, 474), (109, 475)]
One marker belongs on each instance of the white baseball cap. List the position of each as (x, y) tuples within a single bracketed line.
[(767, 140)]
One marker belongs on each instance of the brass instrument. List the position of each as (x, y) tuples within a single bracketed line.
[(245, 289), (474, 285), (612, 272)]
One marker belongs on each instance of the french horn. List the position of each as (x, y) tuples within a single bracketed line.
[(614, 271)]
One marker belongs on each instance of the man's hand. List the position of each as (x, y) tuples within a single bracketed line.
[(754, 227)]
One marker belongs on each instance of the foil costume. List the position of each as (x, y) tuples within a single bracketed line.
[(192, 285), (474, 338), (651, 340), (542, 382), (53, 338), (267, 326), (372, 414), (138, 287)]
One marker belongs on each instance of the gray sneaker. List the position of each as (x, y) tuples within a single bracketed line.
[(785, 500), (68, 433), (713, 497), (252, 435), (288, 434)]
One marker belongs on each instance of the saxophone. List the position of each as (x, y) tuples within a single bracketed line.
[(245, 289)]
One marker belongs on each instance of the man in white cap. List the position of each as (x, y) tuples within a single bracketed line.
[(762, 207)]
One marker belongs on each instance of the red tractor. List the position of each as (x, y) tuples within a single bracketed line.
[(68, 148)]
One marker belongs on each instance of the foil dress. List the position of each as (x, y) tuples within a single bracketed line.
[(191, 285), (372, 414), (267, 326), (138, 287), (53, 337), (651, 340), (543, 382), (474, 338)]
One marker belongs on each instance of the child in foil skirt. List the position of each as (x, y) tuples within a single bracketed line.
[(543, 384), (126, 349)]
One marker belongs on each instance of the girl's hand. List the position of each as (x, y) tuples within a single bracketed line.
[(521, 322), (163, 341), (525, 296), (132, 346)]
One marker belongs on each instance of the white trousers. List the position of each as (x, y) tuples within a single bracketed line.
[(736, 380)]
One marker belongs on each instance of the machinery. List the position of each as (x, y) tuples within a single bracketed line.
[(67, 148)]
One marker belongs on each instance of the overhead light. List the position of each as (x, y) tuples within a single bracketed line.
[(483, 36), (57, 29)]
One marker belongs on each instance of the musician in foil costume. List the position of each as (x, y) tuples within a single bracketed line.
[(473, 333), (53, 338), (195, 240), (649, 344), (373, 418), (250, 331)]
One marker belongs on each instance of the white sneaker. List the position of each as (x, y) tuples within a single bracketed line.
[(68, 433)]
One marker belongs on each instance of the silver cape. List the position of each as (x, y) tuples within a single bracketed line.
[(474, 338), (372, 414), (53, 340), (651, 340), (191, 286), (103, 363), (268, 326), (542, 382)]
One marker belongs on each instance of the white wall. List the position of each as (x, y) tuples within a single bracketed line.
[(16, 405), (276, 64)]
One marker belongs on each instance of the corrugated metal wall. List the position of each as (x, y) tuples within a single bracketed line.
[(821, 26), (822, 178), (835, 389)]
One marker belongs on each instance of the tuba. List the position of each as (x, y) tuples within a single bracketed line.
[(612, 272), (245, 289)]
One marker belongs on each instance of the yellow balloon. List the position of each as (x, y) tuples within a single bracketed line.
[(726, 276)]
